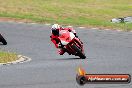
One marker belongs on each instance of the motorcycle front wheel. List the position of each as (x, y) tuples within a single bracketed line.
[(79, 52)]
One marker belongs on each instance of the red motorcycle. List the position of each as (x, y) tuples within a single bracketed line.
[(72, 45), (3, 40)]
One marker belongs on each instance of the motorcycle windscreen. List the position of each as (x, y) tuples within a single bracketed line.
[(66, 37)]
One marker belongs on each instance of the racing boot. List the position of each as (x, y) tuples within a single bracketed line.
[(61, 51)]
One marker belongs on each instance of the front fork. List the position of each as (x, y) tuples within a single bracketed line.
[(80, 43)]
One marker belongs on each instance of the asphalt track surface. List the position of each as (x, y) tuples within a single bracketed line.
[(106, 51)]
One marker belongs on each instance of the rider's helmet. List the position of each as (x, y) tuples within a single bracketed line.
[(55, 29)]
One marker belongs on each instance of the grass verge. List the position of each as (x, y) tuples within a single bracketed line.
[(7, 57), (89, 13)]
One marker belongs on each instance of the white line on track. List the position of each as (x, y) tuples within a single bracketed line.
[(66, 26), (119, 30), (95, 28), (107, 29), (81, 27), (47, 24), (69, 26)]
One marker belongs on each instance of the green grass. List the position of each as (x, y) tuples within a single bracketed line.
[(89, 13), (7, 57)]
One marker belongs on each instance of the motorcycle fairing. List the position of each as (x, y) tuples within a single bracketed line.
[(66, 37)]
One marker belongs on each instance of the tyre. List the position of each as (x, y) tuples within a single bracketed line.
[(79, 52), (3, 40)]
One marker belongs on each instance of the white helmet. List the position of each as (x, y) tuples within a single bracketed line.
[(55, 26), (55, 29)]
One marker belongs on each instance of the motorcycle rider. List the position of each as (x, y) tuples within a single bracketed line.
[(55, 29)]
